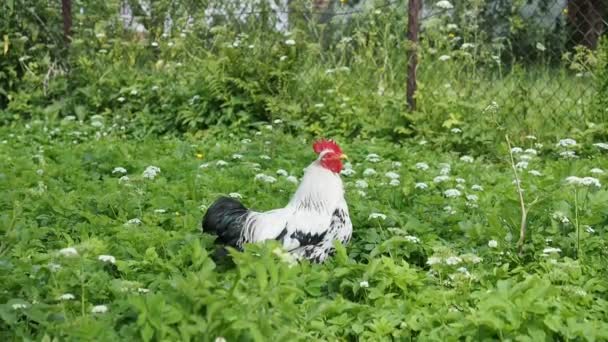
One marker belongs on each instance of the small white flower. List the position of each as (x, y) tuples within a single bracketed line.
[(155, 44), (460, 180), (394, 182), (463, 270), (590, 181), (452, 27), (396, 164), (361, 184), (369, 172), (134, 92), (476, 187), (467, 159), (282, 172), (445, 171), (99, 309), (441, 179), (376, 216), (444, 4), (535, 173), (568, 154), (319, 105), (290, 42), (453, 260), (221, 163), (603, 146), (433, 260), (120, 170), (160, 211), (204, 166), (522, 165), (597, 171), (566, 142), (237, 156), (133, 222), (265, 157), (372, 158), (531, 151), (265, 178), (540, 46), (97, 124), (422, 166), (476, 260), (68, 252), (292, 179), (220, 339), (456, 130), (123, 179), (348, 172), (550, 250), (277, 121), (589, 229), (19, 306), (392, 175), (472, 198), (421, 185), (282, 58), (467, 46), (411, 239), (107, 258), (492, 243), (361, 193), (444, 58), (235, 195), (246, 141), (285, 257), (452, 193), (151, 172), (364, 284), (67, 296), (121, 99), (142, 290)]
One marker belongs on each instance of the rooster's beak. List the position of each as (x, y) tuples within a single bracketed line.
[(343, 156)]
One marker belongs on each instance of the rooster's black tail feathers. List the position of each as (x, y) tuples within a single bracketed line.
[(226, 219)]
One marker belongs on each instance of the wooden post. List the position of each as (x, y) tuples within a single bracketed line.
[(413, 26), (66, 11)]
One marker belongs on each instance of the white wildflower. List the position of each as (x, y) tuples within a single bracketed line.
[(441, 179), (319, 105), (372, 158), (392, 175), (452, 193), (361, 193), (220, 339), (364, 284), (396, 164), (204, 165), (121, 99), (235, 195), (290, 42), (421, 185), (265, 157), (394, 182), (516, 150), (160, 211), (433, 260), (285, 257), (376, 216), (531, 151), (467, 159), (444, 4), (151, 172), (422, 166), (476, 187), (348, 172), (18, 306), (444, 58), (597, 171), (444, 171), (550, 250), (292, 179), (492, 243), (460, 180), (282, 172), (120, 170), (603, 146), (142, 290), (123, 179), (531, 137), (590, 181), (566, 142), (68, 252), (535, 173), (107, 258), (467, 46), (522, 165), (411, 239), (265, 178), (472, 198), (99, 309), (67, 296), (369, 172), (361, 184), (237, 156), (568, 154), (221, 163), (456, 130), (246, 141), (453, 260)]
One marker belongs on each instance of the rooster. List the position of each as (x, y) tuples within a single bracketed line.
[(316, 215)]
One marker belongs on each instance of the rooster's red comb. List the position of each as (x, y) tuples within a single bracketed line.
[(324, 144)]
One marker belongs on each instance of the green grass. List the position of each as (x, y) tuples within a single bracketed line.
[(58, 191)]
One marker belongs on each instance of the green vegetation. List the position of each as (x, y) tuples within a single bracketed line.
[(113, 146)]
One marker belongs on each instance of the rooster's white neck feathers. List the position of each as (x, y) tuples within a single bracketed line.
[(319, 190)]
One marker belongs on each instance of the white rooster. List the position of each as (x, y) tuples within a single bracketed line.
[(316, 215)]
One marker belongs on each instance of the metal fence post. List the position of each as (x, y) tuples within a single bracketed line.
[(413, 26)]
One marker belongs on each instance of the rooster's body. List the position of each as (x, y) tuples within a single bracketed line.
[(314, 218)]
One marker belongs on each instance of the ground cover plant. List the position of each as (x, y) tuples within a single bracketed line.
[(101, 239)]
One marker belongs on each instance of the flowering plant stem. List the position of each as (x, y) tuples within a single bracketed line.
[(524, 211)]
